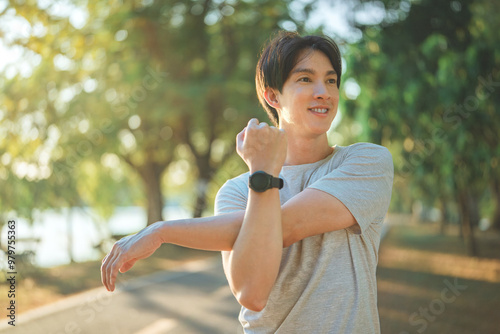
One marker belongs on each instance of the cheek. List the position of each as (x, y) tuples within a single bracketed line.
[(335, 92), (302, 96), (335, 95)]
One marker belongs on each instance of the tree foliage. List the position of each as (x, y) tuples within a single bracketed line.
[(118, 89), (429, 89)]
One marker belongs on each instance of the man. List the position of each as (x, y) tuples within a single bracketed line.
[(300, 232)]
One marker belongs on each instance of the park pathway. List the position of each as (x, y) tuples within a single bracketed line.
[(193, 299)]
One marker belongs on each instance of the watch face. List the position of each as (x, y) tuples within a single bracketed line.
[(259, 181)]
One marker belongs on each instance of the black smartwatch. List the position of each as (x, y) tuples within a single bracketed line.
[(261, 181)]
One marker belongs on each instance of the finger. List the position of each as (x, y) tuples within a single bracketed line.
[(241, 136), (253, 122), (113, 273), (106, 267), (126, 267), (239, 140), (103, 275), (263, 125), (104, 272)]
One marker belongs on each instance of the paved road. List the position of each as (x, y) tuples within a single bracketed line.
[(193, 299)]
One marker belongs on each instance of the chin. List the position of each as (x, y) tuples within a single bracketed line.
[(318, 131), (323, 127)]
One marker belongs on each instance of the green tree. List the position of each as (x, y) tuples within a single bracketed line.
[(428, 75), (133, 80)]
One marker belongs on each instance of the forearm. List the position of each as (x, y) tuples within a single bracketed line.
[(253, 264), (217, 233), (308, 213)]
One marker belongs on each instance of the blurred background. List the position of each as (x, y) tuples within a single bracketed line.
[(117, 114)]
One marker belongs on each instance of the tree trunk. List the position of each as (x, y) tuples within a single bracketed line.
[(151, 177), (201, 197), (416, 212), (444, 216), (204, 177), (466, 210), (496, 196)]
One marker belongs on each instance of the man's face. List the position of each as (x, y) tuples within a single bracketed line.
[(309, 99)]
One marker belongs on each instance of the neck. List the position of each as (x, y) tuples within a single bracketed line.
[(302, 151)]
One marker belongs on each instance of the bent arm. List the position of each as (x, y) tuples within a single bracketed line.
[(252, 265), (313, 212), (308, 213)]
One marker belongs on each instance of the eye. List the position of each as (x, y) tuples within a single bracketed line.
[(304, 79), (332, 81)]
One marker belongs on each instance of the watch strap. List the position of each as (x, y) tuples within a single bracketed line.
[(276, 182)]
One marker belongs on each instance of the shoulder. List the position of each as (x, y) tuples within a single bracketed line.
[(363, 154), (233, 195), (235, 186), (369, 150)]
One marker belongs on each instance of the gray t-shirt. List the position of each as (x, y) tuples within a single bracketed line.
[(326, 283)]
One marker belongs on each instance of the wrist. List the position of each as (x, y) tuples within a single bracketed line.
[(261, 181), (160, 231), (269, 170)]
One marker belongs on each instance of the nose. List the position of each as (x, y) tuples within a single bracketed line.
[(321, 91)]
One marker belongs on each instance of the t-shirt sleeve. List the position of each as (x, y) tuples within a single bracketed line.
[(232, 196), (362, 182)]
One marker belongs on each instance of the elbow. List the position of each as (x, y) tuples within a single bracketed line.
[(289, 238), (252, 301), (287, 242)]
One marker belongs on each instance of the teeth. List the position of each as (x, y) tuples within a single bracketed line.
[(322, 111)]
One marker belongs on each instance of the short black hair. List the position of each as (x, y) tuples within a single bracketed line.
[(280, 56)]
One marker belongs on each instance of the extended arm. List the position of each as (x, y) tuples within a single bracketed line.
[(219, 233)]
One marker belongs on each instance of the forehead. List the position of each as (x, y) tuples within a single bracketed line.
[(314, 60)]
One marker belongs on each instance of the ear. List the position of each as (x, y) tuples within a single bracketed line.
[(272, 98)]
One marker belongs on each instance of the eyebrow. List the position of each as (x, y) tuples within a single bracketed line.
[(311, 71)]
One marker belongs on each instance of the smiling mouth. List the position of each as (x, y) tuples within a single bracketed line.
[(319, 110)]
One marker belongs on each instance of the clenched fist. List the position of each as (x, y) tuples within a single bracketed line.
[(262, 147)]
